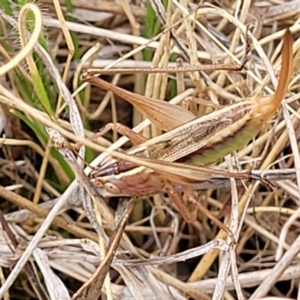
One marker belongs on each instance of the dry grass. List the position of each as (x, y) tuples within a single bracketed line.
[(159, 255)]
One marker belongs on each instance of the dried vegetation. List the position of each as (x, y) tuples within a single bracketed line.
[(159, 255)]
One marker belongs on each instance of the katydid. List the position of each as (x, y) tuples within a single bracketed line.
[(175, 156)]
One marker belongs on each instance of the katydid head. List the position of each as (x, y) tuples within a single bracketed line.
[(139, 181)]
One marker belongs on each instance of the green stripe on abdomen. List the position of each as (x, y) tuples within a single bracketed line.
[(219, 149)]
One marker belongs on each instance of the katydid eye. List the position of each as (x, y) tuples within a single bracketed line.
[(111, 188)]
